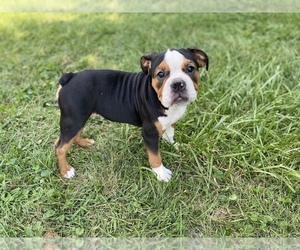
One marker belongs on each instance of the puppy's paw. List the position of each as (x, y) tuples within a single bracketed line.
[(163, 174), (85, 142), (89, 143), (70, 174), (176, 145)]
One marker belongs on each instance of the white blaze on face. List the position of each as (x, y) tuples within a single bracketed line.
[(175, 61)]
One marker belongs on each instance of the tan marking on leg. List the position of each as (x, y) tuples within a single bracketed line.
[(159, 128), (83, 142), (61, 153), (57, 92), (56, 142), (154, 159)]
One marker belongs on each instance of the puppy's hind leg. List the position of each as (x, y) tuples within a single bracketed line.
[(68, 135), (83, 142), (61, 150)]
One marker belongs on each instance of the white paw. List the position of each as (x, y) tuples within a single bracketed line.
[(176, 145), (163, 174), (167, 138), (70, 174)]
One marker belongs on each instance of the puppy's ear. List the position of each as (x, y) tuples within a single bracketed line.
[(200, 56), (146, 62)]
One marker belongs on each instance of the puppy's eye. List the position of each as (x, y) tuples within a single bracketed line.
[(161, 74), (190, 69)]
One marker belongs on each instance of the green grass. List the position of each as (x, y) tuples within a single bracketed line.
[(237, 170)]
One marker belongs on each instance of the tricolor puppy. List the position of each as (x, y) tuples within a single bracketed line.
[(154, 99)]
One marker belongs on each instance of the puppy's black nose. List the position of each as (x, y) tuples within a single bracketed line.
[(178, 85)]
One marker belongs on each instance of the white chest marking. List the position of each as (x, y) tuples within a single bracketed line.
[(174, 113)]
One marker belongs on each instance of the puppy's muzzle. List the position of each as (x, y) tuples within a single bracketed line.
[(178, 86), (179, 91)]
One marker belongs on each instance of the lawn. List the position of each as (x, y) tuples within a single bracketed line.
[(236, 172)]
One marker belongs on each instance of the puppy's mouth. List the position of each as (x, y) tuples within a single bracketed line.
[(179, 98)]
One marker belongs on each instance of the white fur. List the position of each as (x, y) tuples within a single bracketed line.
[(168, 135), (174, 59), (163, 174), (70, 174), (173, 114)]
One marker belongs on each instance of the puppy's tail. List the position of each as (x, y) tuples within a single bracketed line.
[(66, 78)]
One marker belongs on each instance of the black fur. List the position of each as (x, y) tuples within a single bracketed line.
[(117, 96)]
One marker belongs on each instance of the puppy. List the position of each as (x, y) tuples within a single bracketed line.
[(153, 99)]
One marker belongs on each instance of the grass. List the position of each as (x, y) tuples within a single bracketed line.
[(148, 6), (237, 171)]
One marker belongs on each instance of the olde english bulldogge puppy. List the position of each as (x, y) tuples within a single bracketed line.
[(153, 99)]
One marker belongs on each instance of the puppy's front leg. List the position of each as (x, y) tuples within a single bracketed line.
[(151, 139), (168, 136)]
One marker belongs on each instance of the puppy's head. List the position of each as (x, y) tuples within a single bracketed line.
[(175, 74)]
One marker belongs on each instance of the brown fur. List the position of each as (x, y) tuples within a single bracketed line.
[(61, 153), (57, 92), (157, 83), (154, 159)]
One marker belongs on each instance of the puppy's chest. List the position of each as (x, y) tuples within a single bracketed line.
[(173, 115)]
